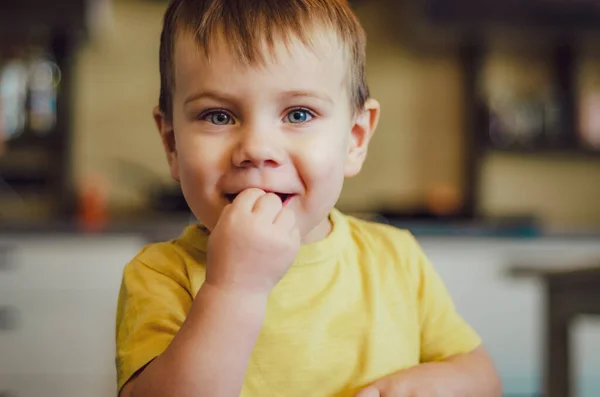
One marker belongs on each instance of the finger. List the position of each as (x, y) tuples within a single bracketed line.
[(268, 205), (246, 200), (224, 213), (295, 234), (285, 219), (370, 391)]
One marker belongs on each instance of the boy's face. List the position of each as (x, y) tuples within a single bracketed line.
[(286, 127)]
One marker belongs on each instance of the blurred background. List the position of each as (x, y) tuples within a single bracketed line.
[(488, 150)]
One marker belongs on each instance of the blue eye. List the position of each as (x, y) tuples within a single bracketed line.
[(299, 116), (218, 118)]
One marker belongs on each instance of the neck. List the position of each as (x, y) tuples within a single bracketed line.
[(321, 231)]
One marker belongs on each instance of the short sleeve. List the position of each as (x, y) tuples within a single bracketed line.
[(152, 305), (444, 333)]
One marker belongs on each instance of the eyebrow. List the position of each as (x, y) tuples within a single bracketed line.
[(230, 99), (218, 96), (307, 94)]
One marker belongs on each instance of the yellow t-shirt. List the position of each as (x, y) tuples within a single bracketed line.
[(361, 304)]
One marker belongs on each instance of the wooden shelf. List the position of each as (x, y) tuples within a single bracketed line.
[(563, 53), (546, 151)]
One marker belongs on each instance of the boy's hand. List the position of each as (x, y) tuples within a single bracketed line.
[(253, 244), (466, 375), (425, 380)]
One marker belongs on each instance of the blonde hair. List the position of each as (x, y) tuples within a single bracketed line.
[(248, 24)]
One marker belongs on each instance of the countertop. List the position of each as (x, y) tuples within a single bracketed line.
[(153, 228), (161, 227)]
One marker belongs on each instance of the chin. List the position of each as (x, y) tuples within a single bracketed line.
[(207, 216)]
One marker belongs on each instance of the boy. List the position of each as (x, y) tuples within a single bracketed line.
[(263, 112)]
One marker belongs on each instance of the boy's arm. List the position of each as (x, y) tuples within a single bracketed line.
[(209, 355), (250, 249), (466, 375)]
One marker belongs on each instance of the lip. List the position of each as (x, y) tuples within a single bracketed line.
[(285, 197)]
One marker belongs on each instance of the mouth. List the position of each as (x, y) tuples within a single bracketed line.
[(284, 197)]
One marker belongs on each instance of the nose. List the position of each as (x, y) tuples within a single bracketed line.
[(257, 149)]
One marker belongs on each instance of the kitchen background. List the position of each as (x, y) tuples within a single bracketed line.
[(488, 149)]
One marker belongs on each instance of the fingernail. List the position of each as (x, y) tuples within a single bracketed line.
[(369, 392)]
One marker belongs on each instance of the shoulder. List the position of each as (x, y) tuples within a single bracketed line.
[(174, 259), (383, 237), (387, 246)]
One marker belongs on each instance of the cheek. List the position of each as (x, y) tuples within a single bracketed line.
[(323, 164), (201, 160), (200, 172)]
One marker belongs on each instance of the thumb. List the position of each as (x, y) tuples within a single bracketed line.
[(370, 391)]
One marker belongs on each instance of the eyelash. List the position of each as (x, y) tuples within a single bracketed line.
[(205, 115)]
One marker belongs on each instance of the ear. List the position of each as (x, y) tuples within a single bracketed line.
[(167, 136), (362, 131)]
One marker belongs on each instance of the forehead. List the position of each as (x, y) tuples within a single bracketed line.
[(288, 63)]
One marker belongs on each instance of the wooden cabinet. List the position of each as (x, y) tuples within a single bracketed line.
[(507, 312), (58, 300)]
